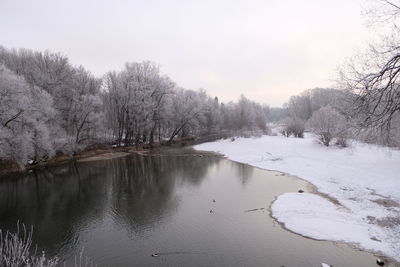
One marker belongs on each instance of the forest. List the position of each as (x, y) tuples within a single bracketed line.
[(49, 107)]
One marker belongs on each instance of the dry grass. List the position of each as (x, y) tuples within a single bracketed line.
[(16, 251)]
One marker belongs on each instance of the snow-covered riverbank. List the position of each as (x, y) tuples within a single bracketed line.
[(365, 179)]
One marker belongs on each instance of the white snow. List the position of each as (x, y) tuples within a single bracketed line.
[(365, 179)]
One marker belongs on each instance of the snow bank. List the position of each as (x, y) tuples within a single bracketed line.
[(365, 179), (313, 216)]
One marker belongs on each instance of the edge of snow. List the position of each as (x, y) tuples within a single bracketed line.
[(361, 177)]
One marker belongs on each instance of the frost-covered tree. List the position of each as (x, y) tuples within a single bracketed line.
[(49, 106), (74, 93), (327, 123), (84, 107), (26, 114), (213, 116), (135, 100), (245, 115), (302, 106), (187, 113), (299, 106)]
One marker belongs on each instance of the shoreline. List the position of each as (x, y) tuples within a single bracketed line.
[(285, 158), (108, 152), (313, 189), (10, 168)]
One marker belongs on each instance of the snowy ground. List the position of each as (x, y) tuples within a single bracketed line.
[(365, 179)]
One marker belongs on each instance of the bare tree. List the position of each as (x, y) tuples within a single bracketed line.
[(374, 77)]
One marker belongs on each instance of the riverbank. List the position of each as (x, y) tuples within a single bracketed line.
[(107, 151), (362, 178), (10, 168)]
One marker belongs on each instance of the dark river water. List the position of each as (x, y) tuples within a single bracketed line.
[(123, 210)]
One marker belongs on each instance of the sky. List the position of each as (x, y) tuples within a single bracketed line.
[(267, 50)]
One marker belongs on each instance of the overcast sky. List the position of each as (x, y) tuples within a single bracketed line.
[(266, 49)]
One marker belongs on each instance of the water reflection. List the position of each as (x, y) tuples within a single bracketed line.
[(244, 172), (143, 187), (59, 201), (122, 210), (53, 201)]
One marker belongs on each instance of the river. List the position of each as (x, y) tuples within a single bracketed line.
[(191, 209)]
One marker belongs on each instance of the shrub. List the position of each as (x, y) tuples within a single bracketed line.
[(327, 124), (15, 250), (293, 127)]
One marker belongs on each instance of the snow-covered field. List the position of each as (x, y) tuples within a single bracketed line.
[(365, 179)]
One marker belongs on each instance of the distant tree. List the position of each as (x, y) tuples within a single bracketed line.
[(293, 127), (302, 106), (247, 115), (327, 124), (213, 116), (299, 106), (275, 114)]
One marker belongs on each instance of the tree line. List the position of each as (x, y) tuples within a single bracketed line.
[(332, 114), (49, 106), (367, 107)]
